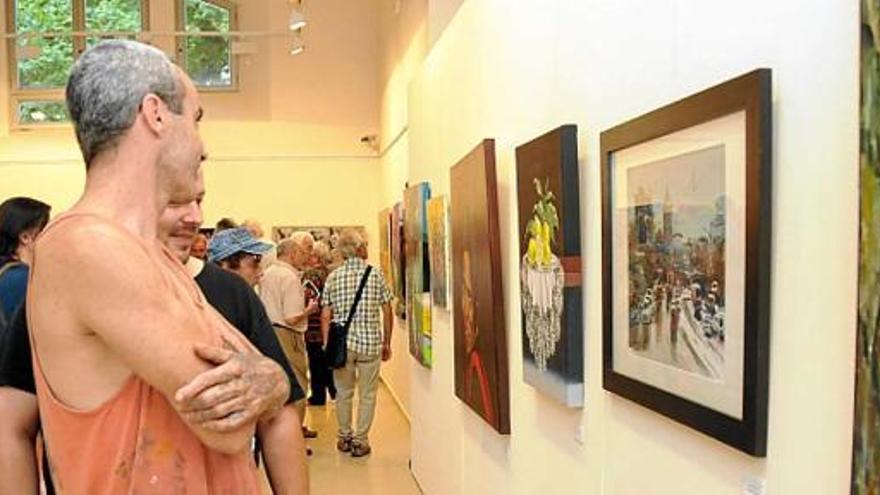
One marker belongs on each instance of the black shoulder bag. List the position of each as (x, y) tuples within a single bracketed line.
[(336, 351)]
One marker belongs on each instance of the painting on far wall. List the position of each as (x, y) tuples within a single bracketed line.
[(866, 427), (418, 273), (327, 234), (550, 265), (480, 335), (437, 251), (397, 260)]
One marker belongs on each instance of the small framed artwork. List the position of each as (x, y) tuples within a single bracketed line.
[(550, 265), (385, 245), (417, 272), (437, 251), (398, 260), (686, 260)]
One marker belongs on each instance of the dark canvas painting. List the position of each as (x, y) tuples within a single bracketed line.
[(550, 265), (418, 273), (866, 442), (397, 260), (481, 375), (437, 251)]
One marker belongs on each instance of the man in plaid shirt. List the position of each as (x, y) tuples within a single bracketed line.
[(368, 343)]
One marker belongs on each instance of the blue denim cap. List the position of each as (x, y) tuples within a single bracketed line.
[(228, 242)]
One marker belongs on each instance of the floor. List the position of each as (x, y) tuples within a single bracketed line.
[(385, 471)]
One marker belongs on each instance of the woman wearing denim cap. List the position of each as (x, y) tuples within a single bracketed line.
[(239, 252)]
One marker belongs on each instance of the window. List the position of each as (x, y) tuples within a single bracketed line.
[(49, 36), (207, 57)]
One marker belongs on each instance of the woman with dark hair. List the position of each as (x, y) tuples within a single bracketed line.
[(21, 220)]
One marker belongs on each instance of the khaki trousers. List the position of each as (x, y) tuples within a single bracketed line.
[(361, 371), (293, 344)]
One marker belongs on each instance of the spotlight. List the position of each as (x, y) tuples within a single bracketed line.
[(297, 19), (298, 46)]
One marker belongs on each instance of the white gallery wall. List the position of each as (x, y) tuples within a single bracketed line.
[(513, 70)]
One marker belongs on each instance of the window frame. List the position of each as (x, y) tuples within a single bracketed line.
[(19, 94), (180, 43)]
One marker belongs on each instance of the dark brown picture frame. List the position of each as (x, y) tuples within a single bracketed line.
[(480, 333), (750, 93)]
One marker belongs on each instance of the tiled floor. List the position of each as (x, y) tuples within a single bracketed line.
[(385, 471)]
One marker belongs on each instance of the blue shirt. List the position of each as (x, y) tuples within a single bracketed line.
[(13, 288)]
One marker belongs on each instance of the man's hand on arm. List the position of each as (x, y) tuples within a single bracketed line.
[(242, 388), (309, 310), (165, 325)]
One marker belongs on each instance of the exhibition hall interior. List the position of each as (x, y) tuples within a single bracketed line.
[(617, 247)]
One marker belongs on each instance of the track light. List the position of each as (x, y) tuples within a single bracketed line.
[(298, 46), (297, 19)]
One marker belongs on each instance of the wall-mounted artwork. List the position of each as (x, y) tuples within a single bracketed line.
[(385, 244), (437, 251), (327, 234), (398, 260), (418, 272), (686, 260), (550, 265), (866, 427), (481, 375)]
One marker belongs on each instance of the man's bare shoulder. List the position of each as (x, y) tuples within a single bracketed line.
[(84, 242), (85, 233)]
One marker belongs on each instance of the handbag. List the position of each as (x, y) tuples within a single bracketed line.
[(336, 349)]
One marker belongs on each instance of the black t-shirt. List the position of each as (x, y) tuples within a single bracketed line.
[(228, 293), (233, 298), (16, 368)]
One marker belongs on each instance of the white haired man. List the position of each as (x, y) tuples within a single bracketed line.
[(283, 294), (368, 343)]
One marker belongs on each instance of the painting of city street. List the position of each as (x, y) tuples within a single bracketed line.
[(676, 237), (687, 217)]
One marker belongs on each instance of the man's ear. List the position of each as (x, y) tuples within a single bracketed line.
[(26, 238), (155, 113)]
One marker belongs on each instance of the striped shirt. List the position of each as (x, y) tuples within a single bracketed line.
[(365, 332)]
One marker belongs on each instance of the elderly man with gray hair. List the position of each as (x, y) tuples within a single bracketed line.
[(283, 295), (368, 342)]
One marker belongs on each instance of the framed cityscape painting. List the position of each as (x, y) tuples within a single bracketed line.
[(418, 271), (686, 260), (550, 265), (480, 336), (437, 251), (866, 424)]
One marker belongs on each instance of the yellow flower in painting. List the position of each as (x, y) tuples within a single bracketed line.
[(533, 251)]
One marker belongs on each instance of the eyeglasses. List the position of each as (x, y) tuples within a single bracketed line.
[(250, 259)]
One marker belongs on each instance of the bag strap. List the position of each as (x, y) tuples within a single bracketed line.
[(7, 266), (357, 297), (3, 269)]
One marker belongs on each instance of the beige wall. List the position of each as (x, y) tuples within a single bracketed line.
[(285, 148), (514, 72), (402, 28)]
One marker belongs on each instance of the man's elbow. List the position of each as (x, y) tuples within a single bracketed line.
[(230, 443)]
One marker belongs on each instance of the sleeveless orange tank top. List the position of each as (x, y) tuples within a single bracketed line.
[(135, 443)]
